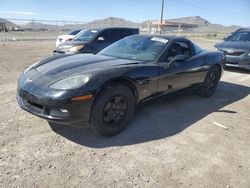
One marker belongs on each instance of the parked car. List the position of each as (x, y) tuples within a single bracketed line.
[(241, 29), (103, 89), (237, 49), (94, 40), (18, 29), (67, 37)]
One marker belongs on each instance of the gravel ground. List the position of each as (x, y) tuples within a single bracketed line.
[(172, 141)]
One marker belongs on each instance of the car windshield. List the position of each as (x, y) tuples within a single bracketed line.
[(86, 35), (142, 48), (239, 37), (74, 32)]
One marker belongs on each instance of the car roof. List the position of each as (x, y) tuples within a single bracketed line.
[(243, 29), (104, 28), (168, 37)]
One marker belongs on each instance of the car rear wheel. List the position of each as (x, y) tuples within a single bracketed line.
[(210, 83), (112, 110)]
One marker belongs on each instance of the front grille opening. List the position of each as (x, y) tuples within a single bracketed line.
[(35, 105), (234, 53)]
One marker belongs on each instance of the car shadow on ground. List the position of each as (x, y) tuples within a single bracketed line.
[(161, 118)]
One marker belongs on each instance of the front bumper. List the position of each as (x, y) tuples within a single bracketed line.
[(239, 62), (61, 111), (237, 65), (236, 57), (242, 61)]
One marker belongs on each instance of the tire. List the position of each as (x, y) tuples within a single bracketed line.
[(112, 110), (210, 83)]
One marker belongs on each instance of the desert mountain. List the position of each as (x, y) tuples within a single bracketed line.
[(8, 23), (111, 22), (203, 24)]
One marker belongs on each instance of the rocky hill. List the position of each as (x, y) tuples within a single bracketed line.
[(7, 23), (111, 22), (107, 22), (203, 24), (40, 26)]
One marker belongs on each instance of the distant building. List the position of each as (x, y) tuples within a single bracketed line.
[(169, 26)]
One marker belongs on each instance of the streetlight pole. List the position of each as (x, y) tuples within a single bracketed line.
[(162, 9)]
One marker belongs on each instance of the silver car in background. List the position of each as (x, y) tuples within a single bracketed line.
[(67, 37)]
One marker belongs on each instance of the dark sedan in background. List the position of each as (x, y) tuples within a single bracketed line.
[(103, 90), (94, 40), (237, 49)]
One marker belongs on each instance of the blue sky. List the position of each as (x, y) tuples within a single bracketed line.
[(227, 12)]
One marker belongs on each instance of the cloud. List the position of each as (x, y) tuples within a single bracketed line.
[(18, 13)]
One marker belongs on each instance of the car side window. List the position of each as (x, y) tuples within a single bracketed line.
[(105, 35), (117, 35), (178, 48), (126, 32)]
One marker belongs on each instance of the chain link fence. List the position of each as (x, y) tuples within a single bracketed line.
[(28, 30)]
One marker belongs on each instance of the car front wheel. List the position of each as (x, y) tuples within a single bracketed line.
[(112, 110)]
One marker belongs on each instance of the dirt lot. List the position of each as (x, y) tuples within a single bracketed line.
[(172, 141)]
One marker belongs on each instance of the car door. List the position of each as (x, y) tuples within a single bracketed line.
[(179, 74)]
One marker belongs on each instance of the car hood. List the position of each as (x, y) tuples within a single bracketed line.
[(66, 65), (234, 45), (41, 75), (69, 44), (65, 36)]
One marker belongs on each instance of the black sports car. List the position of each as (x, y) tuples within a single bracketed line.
[(104, 89), (237, 49)]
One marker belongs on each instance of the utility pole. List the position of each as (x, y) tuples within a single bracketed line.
[(162, 9)]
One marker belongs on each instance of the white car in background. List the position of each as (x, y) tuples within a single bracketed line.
[(67, 37)]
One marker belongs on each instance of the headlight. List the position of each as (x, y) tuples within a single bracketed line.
[(30, 67), (73, 82), (76, 48), (248, 54)]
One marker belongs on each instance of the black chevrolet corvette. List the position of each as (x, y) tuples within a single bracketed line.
[(103, 90)]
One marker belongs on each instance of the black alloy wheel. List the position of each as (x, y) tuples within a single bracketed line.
[(115, 110), (112, 110)]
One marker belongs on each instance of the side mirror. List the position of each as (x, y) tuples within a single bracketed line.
[(178, 58), (100, 39)]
